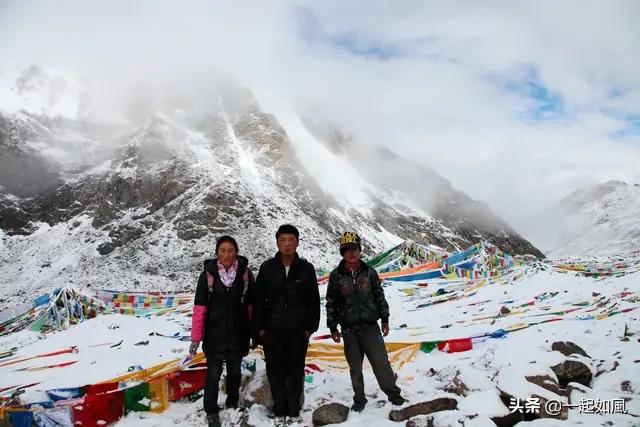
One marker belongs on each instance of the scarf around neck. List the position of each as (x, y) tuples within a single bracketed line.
[(227, 277)]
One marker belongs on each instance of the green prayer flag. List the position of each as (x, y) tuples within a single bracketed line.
[(137, 398)]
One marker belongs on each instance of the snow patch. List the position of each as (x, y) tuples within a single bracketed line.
[(339, 179)]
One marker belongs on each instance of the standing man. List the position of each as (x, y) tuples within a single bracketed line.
[(356, 301), (286, 313)]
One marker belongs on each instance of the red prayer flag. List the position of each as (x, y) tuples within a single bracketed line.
[(185, 382)]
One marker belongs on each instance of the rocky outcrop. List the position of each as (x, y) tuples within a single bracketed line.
[(572, 371), (423, 408), (568, 348), (331, 413)]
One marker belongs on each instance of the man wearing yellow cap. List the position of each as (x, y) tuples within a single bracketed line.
[(355, 301)]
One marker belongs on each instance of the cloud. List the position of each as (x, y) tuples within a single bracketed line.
[(516, 104)]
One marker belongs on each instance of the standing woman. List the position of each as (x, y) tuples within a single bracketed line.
[(221, 320)]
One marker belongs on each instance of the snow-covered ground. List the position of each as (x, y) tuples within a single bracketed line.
[(504, 362)]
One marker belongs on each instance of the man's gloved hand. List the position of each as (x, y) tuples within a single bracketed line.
[(336, 337), (385, 329), (193, 348)]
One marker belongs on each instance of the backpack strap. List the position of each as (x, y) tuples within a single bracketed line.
[(245, 280), (211, 280)]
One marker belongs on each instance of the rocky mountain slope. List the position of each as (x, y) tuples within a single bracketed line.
[(139, 204)]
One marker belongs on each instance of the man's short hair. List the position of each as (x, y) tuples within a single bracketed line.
[(288, 229)]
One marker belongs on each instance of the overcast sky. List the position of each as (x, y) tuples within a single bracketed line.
[(516, 103)]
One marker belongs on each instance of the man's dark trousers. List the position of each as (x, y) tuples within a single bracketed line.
[(285, 352), (368, 341)]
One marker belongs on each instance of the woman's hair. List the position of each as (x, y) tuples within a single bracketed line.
[(229, 239)]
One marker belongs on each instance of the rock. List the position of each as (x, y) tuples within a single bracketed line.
[(568, 348), (105, 248), (562, 415), (331, 413), (546, 382), (14, 221), (187, 230), (504, 311), (151, 269), (448, 419), (572, 371), (420, 422), (139, 215), (456, 386), (124, 234), (513, 418), (508, 420), (262, 395), (424, 408), (576, 391), (258, 391), (626, 386), (527, 412)]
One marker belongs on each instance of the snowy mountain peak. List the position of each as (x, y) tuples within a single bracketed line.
[(602, 219), (596, 193), (146, 198)]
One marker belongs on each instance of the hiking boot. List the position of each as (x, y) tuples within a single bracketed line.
[(398, 400), (279, 421), (295, 421), (213, 420), (358, 406)]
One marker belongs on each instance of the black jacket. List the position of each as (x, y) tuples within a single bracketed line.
[(287, 301), (355, 302), (228, 327)]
